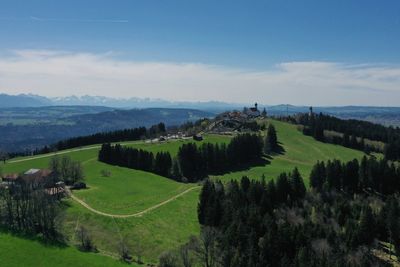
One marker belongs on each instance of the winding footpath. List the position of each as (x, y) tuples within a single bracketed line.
[(84, 204), (137, 214)]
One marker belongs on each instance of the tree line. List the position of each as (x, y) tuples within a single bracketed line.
[(280, 223), (135, 158), (104, 137), (368, 174), (354, 132), (193, 162)]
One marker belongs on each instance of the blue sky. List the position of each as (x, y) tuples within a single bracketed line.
[(357, 41)]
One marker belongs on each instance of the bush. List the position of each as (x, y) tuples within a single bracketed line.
[(168, 259), (105, 173)]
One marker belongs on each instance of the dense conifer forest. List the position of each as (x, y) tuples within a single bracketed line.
[(340, 221)]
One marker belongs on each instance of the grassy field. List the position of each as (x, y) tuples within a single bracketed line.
[(17, 252), (299, 150), (128, 191)]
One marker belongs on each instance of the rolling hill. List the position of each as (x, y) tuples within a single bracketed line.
[(169, 216)]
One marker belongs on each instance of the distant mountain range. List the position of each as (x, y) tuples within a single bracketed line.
[(29, 100), (23, 100), (383, 115)]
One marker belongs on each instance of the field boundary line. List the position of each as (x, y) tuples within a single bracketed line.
[(137, 214)]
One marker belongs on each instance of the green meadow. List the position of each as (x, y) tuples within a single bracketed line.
[(298, 150), (128, 191), (17, 252)]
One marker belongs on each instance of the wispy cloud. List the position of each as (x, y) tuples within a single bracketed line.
[(55, 73), (47, 19)]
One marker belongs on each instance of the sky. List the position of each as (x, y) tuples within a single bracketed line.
[(309, 52)]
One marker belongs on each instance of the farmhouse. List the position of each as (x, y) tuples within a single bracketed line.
[(36, 174), (29, 175), (10, 177)]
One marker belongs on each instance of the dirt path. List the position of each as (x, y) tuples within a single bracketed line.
[(137, 214)]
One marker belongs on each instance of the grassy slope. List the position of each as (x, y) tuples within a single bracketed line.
[(16, 252), (299, 150), (128, 191)]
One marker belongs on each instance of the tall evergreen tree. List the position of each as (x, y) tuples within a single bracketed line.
[(271, 140)]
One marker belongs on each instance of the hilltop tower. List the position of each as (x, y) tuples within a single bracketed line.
[(256, 106), (311, 112)]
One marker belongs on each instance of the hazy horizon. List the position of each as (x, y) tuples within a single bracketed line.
[(325, 54)]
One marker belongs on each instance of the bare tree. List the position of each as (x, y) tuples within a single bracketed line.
[(124, 251), (205, 246), (138, 249), (86, 243), (168, 259), (184, 253)]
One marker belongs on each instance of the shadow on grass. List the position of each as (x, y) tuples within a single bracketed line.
[(58, 242), (280, 150), (265, 160)]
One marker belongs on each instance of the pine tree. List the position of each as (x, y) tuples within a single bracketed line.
[(271, 140), (297, 184), (367, 227)]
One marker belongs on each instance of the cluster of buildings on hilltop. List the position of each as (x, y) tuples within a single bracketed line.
[(247, 113)]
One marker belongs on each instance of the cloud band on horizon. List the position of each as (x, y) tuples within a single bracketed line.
[(60, 73)]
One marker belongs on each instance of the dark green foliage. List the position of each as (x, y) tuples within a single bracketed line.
[(297, 184), (196, 162), (283, 225), (192, 163), (318, 176), (136, 159), (354, 177), (271, 140)]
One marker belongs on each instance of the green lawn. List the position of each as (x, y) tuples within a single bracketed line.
[(128, 191), (18, 252)]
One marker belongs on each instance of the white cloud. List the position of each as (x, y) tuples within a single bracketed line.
[(60, 73)]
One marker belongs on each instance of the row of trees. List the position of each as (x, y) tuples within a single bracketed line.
[(254, 223), (354, 133), (106, 137), (193, 162), (196, 162), (369, 174), (138, 159), (27, 207)]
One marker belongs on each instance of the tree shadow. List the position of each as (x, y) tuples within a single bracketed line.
[(280, 150), (58, 242), (265, 160)]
